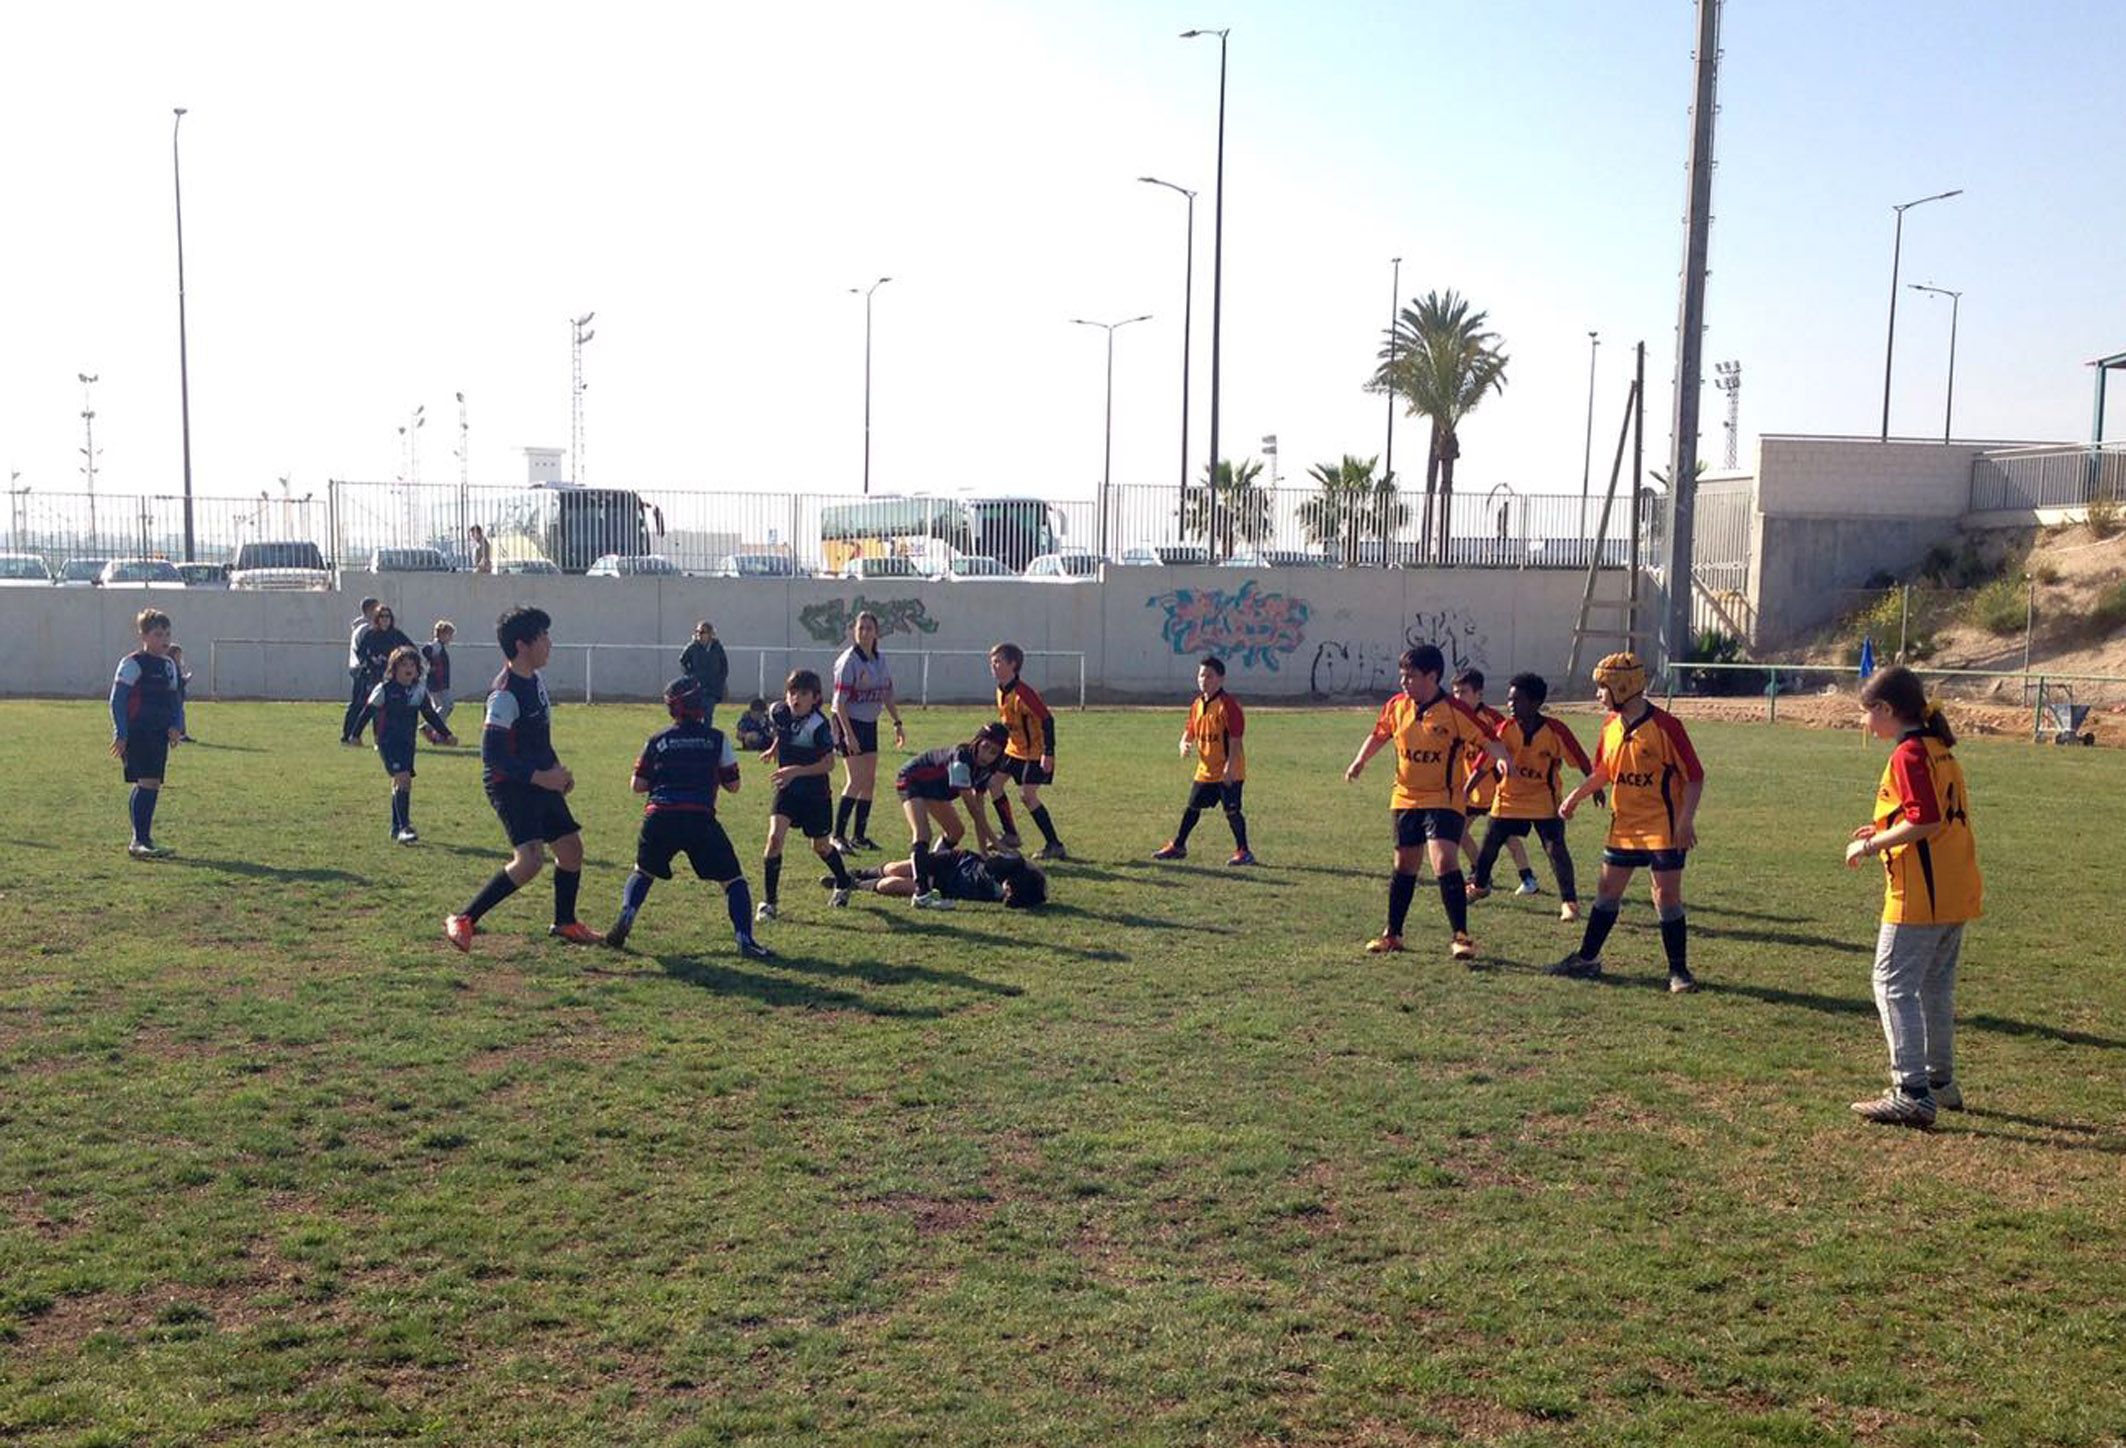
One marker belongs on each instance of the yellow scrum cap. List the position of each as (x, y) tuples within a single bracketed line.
[(1623, 675)]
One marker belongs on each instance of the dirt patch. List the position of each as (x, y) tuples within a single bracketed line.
[(934, 1217), (1976, 714)]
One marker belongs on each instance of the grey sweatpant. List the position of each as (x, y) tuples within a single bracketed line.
[(1915, 993)]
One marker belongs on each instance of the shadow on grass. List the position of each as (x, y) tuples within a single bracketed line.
[(2108, 1145), (2076, 1127), (2061, 1034), (1865, 1006), (222, 748), (780, 991), (1793, 938), (1079, 871), (255, 870), (957, 931), (31, 845), (1138, 922), (878, 972)]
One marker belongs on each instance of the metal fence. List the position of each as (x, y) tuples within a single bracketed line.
[(773, 532), (2048, 477)]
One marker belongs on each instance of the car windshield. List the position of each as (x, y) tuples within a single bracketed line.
[(280, 555), (82, 570), (24, 568), (146, 570)]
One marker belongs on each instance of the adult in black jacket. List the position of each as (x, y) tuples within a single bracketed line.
[(374, 646), (359, 694), (704, 662)]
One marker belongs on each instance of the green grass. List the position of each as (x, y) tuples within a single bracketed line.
[(1171, 1163)]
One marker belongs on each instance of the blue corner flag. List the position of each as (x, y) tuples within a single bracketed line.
[(1867, 657)]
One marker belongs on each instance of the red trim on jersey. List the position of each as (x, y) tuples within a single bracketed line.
[(1680, 742), (1915, 783), (1573, 751), (1236, 722)]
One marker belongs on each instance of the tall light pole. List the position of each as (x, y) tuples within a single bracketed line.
[(1217, 264), (184, 370), (1730, 382), (867, 291), (1395, 291), (1107, 446), (88, 449), (1188, 301), (1897, 246), (464, 470), (1594, 347), (1956, 300), (580, 334)]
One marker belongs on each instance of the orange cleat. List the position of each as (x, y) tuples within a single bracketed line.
[(1463, 948), (1384, 945), (1477, 892), (576, 933), (457, 929)]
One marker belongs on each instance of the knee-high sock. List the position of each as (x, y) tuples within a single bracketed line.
[(1675, 939), (771, 877), (1402, 889), (1561, 864), (401, 808), (839, 870), (738, 901), (1239, 822), (1006, 821), (1454, 894), (142, 808), (863, 819), (1046, 825), (566, 884), (1487, 855), (842, 812), (493, 893), (1188, 825), (634, 892), (1600, 921)]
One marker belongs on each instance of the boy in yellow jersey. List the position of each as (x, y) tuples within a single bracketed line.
[(1484, 788), (1646, 761), (1922, 830), (1030, 756), (1215, 728), (1528, 791), (1432, 735)]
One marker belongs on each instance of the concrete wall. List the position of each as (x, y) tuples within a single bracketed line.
[(1285, 633)]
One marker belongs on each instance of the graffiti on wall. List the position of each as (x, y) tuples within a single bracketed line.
[(1249, 627), (1344, 666), (829, 621)]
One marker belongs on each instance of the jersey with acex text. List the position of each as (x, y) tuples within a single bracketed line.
[(862, 683), (518, 741), (1649, 762), (1530, 789), (684, 766), (1932, 881), (1031, 727), (1215, 726), (1431, 750), (801, 741), (1484, 776)]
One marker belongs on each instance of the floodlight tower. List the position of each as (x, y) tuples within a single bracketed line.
[(88, 448), (464, 468), (580, 334), (1731, 383)]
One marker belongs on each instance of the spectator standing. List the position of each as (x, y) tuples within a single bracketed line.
[(356, 672), (705, 663), (483, 552)]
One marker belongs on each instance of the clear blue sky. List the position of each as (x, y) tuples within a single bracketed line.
[(387, 207)]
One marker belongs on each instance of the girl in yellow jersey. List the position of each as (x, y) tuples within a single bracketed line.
[(1921, 829)]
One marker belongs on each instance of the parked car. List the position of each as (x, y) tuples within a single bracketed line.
[(633, 565), (204, 575), (81, 572), (408, 560), (1275, 558), (279, 567), (141, 573), (755, 565), (24, 570), (866, 569), (1063, 567), (531, 567), (969, 565), (1166, 555)]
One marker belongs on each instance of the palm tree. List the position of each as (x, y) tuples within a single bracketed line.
[(1352, 504), (1229, 505), (1442, 362)]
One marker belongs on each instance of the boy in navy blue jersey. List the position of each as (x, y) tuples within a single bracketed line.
[(929, 783), (435, 658), (752, 728), (394, 705), (801, 746), (527, 784), (147, 717), (682, 769)]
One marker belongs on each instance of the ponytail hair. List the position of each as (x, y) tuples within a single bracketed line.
[(1900, 690)]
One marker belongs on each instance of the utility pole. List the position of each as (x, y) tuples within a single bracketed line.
[(580, 334), (88, 449), (1690, 343)]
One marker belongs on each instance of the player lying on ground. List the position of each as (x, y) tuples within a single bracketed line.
[(939, 879)]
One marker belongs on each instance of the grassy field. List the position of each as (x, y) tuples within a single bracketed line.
[(1170, 1163)]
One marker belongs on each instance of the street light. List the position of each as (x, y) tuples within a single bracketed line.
[(1217, 257), (867, 291), (1956, 300), (1188, 299), (184, 371), (1107, 463), (1889, 350), (1594, 347), (88, 449), (580, 334)]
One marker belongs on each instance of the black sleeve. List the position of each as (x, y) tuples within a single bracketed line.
[(716, 672)]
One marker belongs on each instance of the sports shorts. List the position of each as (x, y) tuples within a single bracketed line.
[(697, 835), (397, 756), (1643, 859), (1545, 830), (810, 811), (1207, 793), (861, 737), (1025, 771), (1413, 827), (147, 754), (530, 814)]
